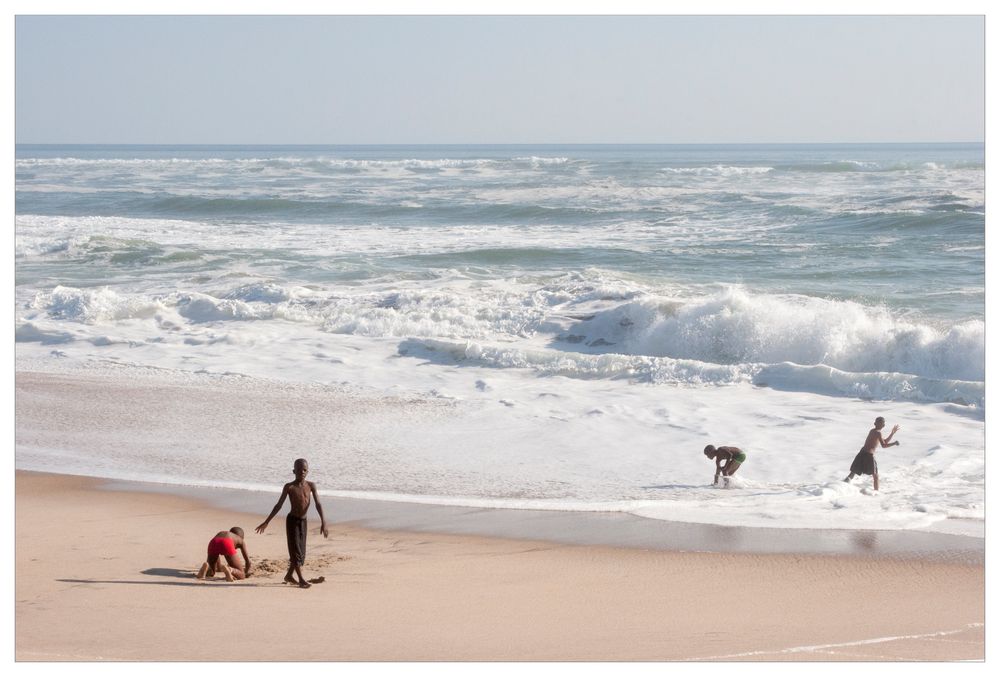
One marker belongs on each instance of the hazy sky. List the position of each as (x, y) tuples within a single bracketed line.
[(439, 79)]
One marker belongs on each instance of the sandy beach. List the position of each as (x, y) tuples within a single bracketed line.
[(118, 583), (576, 325)]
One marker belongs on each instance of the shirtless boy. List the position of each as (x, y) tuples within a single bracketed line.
[(300, 493), (864, 463), (727, 461), (222, 556)]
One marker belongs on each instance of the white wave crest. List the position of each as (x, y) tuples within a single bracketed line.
[(434, 314), (737, 327), (718, 170), (819, 379), (204, 308), (91, 306), (604, 330)]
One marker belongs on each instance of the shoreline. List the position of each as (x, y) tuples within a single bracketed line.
[(122, 588), (193, 427), (608, 529)]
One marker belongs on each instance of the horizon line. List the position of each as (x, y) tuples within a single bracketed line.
[(507, 143)]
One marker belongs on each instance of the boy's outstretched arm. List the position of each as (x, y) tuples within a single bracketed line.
[(319, 509), (886, 442), (277, 506)]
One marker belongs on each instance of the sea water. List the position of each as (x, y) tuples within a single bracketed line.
[(592, 316)]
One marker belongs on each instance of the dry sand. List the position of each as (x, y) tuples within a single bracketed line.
[(109, 575)]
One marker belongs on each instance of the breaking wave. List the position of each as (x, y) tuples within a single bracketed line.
[(595, 331)]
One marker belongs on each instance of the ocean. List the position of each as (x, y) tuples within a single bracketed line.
[(572, 324)]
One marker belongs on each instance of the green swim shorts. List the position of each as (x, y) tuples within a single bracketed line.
[(740, 457)]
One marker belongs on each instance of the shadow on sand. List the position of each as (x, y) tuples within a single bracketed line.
[(94, 581), (175, 573), (188, 576)]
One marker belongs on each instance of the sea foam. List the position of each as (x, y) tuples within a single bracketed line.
[(550, 327), (602, 331)]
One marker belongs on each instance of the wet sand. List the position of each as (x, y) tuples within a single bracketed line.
[(599, 528), (92, 424), (117, 583)]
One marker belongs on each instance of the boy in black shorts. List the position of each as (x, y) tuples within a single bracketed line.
[(864, 463), (300, 494)]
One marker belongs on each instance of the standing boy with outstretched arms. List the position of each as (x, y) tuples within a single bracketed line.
[(864, 463), (300, 493)]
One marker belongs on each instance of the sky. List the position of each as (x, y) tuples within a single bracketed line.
[(498, 79)]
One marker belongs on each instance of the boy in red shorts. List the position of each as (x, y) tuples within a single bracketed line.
[(222, 556)]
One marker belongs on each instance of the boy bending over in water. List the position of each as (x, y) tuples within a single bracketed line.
[(222, 556), (727, 461), (299, 493), (864, 463)]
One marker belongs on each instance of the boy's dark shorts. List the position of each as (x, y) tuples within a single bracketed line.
[(295, 531), (864, 464)]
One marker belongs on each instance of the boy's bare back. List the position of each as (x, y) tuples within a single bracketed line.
[(873, 441)]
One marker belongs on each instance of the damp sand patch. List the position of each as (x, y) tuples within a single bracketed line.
[(274, 568)]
